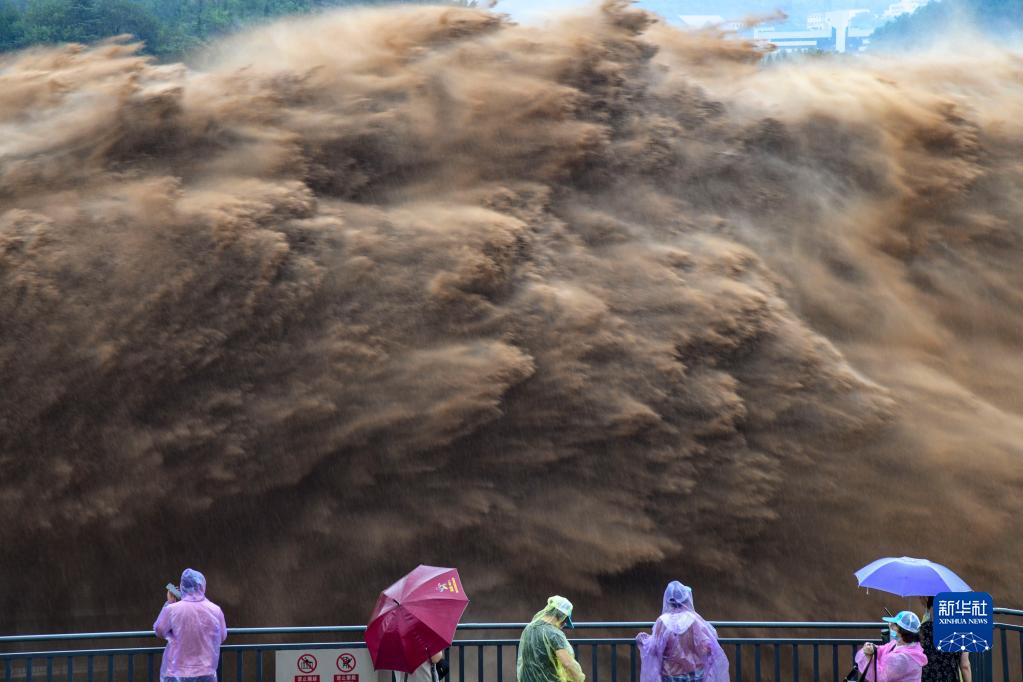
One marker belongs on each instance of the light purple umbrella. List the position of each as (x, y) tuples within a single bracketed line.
[(908, 577)]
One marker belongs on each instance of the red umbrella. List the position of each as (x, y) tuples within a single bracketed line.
[(415, 618)]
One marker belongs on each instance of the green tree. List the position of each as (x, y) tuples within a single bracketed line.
[(169, 28), (61, 21), (126, 16), (12, 34)]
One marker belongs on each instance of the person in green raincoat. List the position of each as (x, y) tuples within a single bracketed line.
[(544, 652)]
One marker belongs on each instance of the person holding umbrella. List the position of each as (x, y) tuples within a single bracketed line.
[(909, 577), (902, 659), (544, 652), (941, 666), (414, 620)]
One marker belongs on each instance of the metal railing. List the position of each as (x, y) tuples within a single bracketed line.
[(1007, 654), (757, 651)]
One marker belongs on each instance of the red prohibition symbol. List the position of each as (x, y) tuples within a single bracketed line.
[(346, 663), (306, 663)]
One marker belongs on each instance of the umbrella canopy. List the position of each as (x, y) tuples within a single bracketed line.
[(908, 577), (415, 618)]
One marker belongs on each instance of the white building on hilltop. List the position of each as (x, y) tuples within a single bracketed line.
[(897, 9), (816, 21), (825, 32)]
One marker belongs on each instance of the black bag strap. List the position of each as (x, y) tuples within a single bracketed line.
[(863, 675)]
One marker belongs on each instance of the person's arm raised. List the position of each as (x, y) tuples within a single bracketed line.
[(162, 626)]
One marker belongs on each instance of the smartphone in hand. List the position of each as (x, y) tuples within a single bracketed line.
[(174, 590)]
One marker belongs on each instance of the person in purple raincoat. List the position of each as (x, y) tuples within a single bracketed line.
[(194, 629), (683, 647)]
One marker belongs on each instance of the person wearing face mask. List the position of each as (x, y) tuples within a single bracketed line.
[(900, 660), (941, 666)]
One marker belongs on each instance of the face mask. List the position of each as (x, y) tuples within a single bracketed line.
[(894, 634)]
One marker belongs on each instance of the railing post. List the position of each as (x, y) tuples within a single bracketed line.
[(1005, 655), (1020, 633), (978, 667)]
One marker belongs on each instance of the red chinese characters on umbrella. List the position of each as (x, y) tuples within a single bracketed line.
[(415, 618)]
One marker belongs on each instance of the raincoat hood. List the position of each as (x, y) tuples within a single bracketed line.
[(558, 608), (677, 597), (193, 585), (677, 612)]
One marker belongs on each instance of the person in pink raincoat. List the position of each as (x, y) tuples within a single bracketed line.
[(900, 660), (194, 629), (683, 647)]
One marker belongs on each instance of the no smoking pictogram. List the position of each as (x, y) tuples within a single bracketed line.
[(346, 663), (306, 663)]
